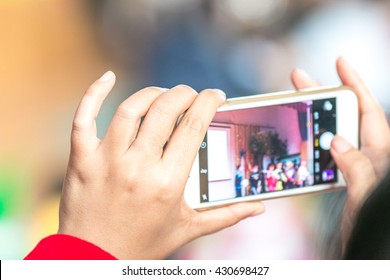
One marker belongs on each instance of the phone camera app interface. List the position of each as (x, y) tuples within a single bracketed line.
[(268, 149)]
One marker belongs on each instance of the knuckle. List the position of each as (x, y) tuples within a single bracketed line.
[(133, 180), (362, 164), (235, 216), (365, 161), (79, 125), (192, 123), (91, 90), (164, 191), (165, 183), (357, 157), (161, 109), (127, 112)]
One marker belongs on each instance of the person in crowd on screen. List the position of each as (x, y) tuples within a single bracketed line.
[(302, 174), (290, 173), (280, 176), (238, 180), (254, 179), (270, 177)]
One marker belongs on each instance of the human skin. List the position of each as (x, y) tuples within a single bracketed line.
[(362, 168), (124, 193)]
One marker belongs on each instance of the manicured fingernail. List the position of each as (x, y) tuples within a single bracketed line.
[(106, 76), (340, 144), (302, 73)]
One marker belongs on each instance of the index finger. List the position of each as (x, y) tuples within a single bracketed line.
[(350, 78), (302, 80), (185, 141), (84, 122), (374, 127)]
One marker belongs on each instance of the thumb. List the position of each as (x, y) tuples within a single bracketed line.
[(357, 169), (213, 220)]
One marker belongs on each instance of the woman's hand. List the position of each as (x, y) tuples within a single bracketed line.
[(125, 193), (363, 168)]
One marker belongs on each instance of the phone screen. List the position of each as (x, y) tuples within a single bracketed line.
[(253, 151)]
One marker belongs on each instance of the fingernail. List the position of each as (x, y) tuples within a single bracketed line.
[(340, 144), (222, 93), (346, 63), (160, 88), (302, 73), (180, 118), (106, 77), (342, 58)]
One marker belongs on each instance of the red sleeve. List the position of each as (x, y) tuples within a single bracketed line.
[(66, 247)]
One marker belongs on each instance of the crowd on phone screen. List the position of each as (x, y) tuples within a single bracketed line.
[(277, 177)]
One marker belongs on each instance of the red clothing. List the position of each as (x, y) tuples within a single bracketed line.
[(66, 247)]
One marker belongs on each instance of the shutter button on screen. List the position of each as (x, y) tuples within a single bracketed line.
[(325, 140)]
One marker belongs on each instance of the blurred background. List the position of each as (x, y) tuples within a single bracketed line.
[(51, 50)]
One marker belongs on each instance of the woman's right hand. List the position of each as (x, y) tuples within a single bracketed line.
[(363, 168)]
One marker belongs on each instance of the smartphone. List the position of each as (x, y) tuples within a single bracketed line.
[(272, 145)]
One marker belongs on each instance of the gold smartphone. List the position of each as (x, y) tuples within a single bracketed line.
[(272, 145)]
